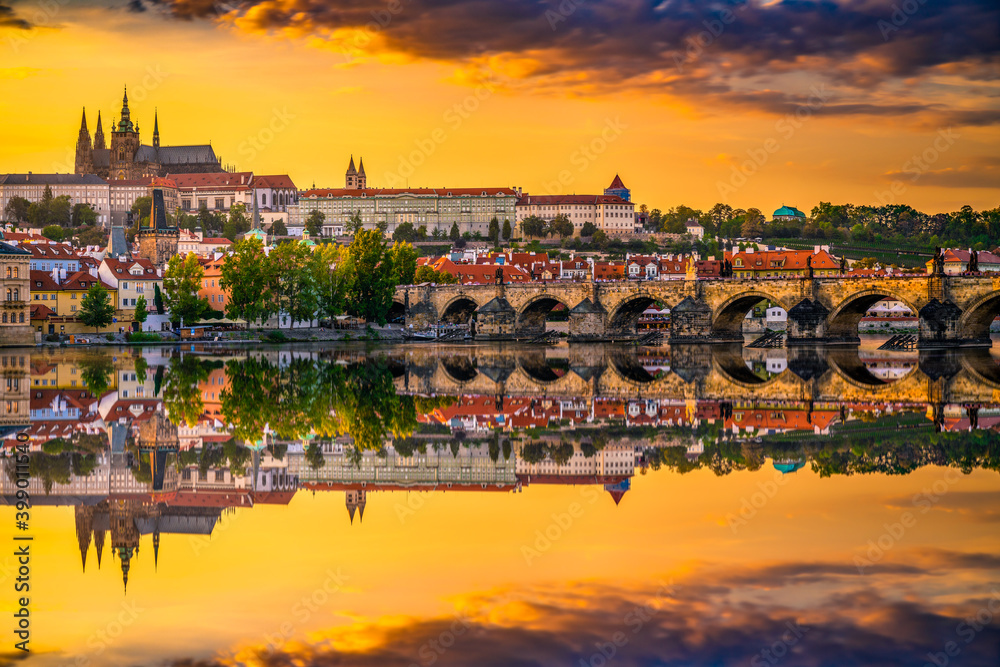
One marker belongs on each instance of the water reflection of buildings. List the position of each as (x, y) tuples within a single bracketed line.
[(136, 472)]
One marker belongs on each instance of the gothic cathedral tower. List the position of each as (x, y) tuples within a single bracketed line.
[(84, 153), (351, 178), (124, 147)]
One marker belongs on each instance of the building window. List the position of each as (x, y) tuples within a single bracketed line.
[(220, 203)]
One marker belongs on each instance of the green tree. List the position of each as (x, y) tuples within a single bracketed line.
[(296, 289), (93, 235), (561, 225), (507, 232), (140, 369), (96, 372), (753, 223), (96, 309), (354, 223), (142, 209), (403, 257), (157, 299), (404, 232), (454, 234), (314, 223), (314, 456), (181, 282), (588, 229), (245, 283), (238, 222), (494, 231), (371, 294), (17, 210), (333, 276), (279, 228), (141, 313), (182, 393), (53, 232), (534, 226), (600, 239), (84, 215), (425, 274)]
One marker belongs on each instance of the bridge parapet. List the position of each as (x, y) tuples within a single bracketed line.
[(952, 310)]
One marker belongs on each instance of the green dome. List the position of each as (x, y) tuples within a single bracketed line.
[(789, 211)]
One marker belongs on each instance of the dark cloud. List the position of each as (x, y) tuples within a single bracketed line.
[(10, 19), (965, 176), (864, 621), (756, 54)]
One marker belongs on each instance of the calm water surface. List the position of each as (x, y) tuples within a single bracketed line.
[(506, 505)]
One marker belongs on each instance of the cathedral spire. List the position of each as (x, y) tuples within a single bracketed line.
[(156, 129), (99, 135), (125, 124), (84, 162), (99, 546)]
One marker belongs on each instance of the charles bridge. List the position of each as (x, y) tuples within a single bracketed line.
[(716, 372), (952, 310)]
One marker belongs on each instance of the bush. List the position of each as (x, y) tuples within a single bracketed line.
[(53, 338), (275, 337), (142, 337), (109, 337)]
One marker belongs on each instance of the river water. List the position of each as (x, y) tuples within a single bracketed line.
[(504, 505)]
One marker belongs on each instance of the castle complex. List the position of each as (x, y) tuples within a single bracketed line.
[(127, 158)]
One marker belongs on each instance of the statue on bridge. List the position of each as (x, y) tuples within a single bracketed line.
[(974, 261), (809, 266), (938, 261), (499, 276), (843, 265)]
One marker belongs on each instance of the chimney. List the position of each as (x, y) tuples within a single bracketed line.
[(815, 249), (55, 275), (62, 273)]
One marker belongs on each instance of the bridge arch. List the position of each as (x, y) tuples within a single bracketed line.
[(843, 321), (458, 310), (729, 316), (729, 362), (532, 315), (979, 315), (459, 369), (397, 311), (624, 319), (542, 370)]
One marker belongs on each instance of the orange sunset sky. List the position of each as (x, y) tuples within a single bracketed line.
[(512, 93)]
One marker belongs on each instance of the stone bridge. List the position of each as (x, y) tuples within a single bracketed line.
[(952, 310), (697, 372)]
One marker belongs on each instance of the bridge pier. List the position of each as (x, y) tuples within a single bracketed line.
[(939, 327), (588, 321), (497, 320)]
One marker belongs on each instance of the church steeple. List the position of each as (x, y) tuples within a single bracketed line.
[(156, 129), (362, 179), (99, 546), (84, 528), (125, 124), (84, 163), (99, 135), (351, 180)]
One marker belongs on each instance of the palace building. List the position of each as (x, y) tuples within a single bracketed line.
[(471, 209), (127, 158)]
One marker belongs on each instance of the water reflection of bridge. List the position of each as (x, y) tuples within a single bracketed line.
[(706, 372)]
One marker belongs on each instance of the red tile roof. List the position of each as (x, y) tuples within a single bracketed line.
[(124, 266), (82, 280), (395, 192), (790, 259), (40, 312), (617, 183), (45, 278), (239, 180), (558, 200), (273, 182)]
